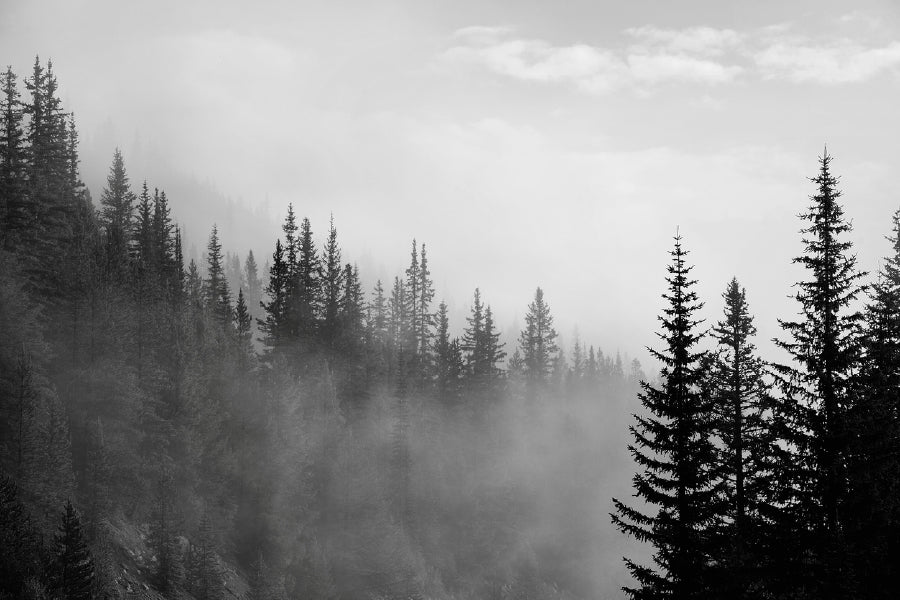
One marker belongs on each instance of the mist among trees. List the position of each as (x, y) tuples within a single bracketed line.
[(269, 427)]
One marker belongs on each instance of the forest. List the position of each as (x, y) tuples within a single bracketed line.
[(266, 428)]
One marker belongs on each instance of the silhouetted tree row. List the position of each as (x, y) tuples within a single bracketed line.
[(779, 479)]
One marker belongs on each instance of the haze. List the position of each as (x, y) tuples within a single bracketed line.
[(525, 143)]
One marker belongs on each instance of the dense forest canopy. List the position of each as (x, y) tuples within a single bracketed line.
[(265, 427)]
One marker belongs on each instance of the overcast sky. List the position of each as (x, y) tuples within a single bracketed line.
[(527, 143)]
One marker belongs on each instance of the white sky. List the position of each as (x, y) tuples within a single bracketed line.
[(527, 143)]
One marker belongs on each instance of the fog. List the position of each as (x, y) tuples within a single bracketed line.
[(526, 145), (524, 152)]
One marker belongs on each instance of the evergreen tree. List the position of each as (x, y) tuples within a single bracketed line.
[(291, 243), (378, 314), (243, 324), (411, 304), (816, 394), (332, 285), (537, 343), (277, 291), (448, 360), (215, 287), (351, 313), (873, 527), (116, 218), (746, 451), (254, 284), (74, 564), (143, 249), (424, 322), (473, 337), (307, 297), (674, 451), (14, 207), (493, 353)]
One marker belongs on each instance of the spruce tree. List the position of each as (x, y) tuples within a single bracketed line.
[(332, 284), (14, 207), (473, 338), (675, 454), (448, 360), (493, 353), (277, 292), (254, 284), (215, 287), (116, 218), (307, 296), (243, 324), (537, 343), (424, 317), (74, 564), (143, 249), (816, 395), (746, 452), (873, 527)]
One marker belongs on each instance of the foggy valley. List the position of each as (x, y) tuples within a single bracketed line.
[(497, 300)]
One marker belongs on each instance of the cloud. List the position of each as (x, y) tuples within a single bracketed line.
[(661, 68), (655, 56), (662, 57), (838, 63), (705, 41)]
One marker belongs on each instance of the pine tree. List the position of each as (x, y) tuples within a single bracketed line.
[(537, 343), (493, 353), (116, 218), (143, 250), (378, 314), (14, 206), (74, 564), (816, 394), (332, 284), (398, 323), (308, 295), (243, 325), (746, 450), (215, 287), (411, 304), (424, 318), (193, 285), (291, 243), (164, 235), (473, 337), (351, 313), (277, 291), (674, 451), (448, 360), (873, 527), (44, 241), (254, 284)]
